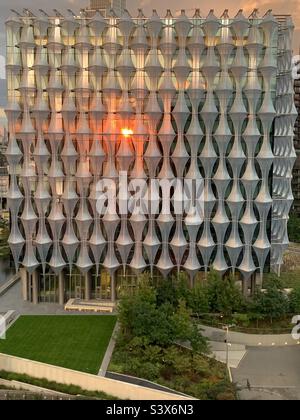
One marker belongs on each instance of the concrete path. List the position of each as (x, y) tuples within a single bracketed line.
[(12, 300), (236, 353), (252, 340), (109, 351), (272, 373)]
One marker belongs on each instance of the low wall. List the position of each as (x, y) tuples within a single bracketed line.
[(9, 284), (21, 386), (251, 340), (85, 381)]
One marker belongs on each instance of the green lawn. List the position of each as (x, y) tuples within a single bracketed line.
[(74, 342)]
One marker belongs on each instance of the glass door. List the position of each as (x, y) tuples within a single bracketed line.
[(103, 286)]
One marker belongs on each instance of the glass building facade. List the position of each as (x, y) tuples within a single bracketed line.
[(203, 102)]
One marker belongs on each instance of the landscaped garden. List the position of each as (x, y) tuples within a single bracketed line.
[(74, 342), (160, 335), (156, 329)]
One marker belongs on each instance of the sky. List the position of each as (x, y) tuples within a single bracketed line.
[(278, 6)]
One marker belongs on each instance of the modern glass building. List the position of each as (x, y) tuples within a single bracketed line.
[(195, 111), (104, 6)]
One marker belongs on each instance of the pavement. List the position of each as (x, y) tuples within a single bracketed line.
[(271, 373), (236, 353), (109, 352), (12, 300), (250, 340)]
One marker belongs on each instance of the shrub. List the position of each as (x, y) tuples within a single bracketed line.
[(241, 319)]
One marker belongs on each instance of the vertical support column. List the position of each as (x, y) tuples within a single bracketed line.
[(113, 288), (24, 282), (245, 283), (88, 284), (258, 282), (253, 284), (34, 282), (61, 288)]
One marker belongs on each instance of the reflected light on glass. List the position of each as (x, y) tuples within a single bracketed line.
[(127, 132)]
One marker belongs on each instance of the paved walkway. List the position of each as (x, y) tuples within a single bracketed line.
[(109, 352), (272, 373), (252, 340), (236, 353), (12, 300)]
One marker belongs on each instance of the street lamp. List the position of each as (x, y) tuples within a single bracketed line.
[(226, 328)]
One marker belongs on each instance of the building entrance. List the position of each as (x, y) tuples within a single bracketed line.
[(101, 289)]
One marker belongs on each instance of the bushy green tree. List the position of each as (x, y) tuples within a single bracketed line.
[(186, 329), (198, 299), (223, 294), (273, 281), (182, 288), (167, 293), (142, 317), (271, 304)]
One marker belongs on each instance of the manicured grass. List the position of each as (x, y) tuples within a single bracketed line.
[(73, 342)]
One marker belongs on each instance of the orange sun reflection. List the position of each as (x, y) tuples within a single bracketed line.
[(127, 132)]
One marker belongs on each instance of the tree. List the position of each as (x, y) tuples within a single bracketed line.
[(198, 299), (272, 303), (273, 281), (142, 317), (188, 330), (130, 305), (223, 294), (167, 293)]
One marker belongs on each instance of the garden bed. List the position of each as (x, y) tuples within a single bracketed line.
[(177, 368)]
